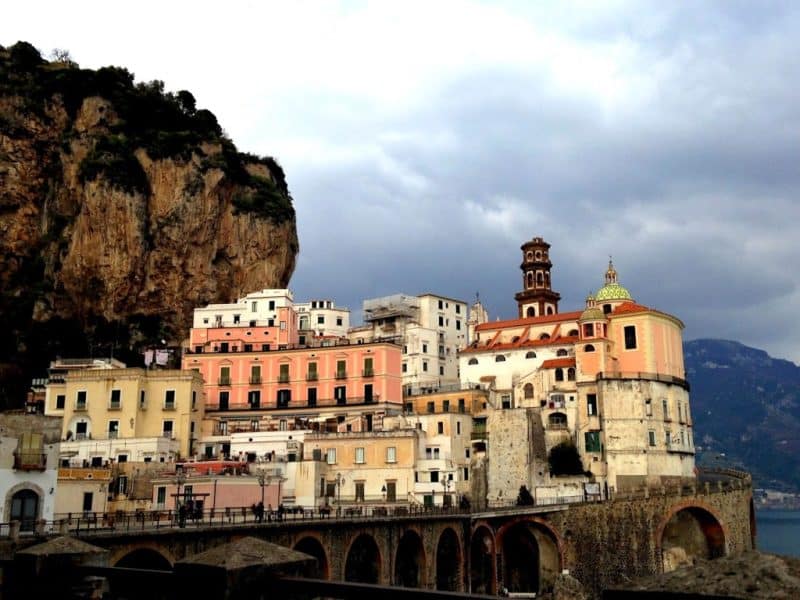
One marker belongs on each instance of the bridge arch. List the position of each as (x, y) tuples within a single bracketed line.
[(310, 544), (531, 555), (363, 562), (482, 573), (690, 530), (448, 561), (409, 564)]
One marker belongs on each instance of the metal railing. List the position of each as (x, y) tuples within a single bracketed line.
[(30, 461)]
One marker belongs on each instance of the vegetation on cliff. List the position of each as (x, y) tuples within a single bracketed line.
[(122, 207)]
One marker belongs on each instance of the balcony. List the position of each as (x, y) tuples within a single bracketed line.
[(341, 374), (112, 435), (224, 381), (368, 373), (478, 433), (283, 378), (312, 376), (255, 379), (80, 406), (115, 406), (169, 406), (29, 460)]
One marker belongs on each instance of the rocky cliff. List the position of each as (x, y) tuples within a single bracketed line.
[(122, 208)]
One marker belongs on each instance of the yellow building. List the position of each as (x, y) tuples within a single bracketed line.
[(126, 415), (365, 467), (82, 491)]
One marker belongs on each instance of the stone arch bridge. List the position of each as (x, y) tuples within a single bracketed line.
[(521, 549)]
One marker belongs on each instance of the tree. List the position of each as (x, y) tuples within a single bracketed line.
[(524, 497), (60, 55), (187, 102)]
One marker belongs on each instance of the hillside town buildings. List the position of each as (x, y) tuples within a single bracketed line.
[(429, 402)]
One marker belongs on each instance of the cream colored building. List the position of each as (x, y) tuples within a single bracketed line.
[(81, 491), (126, 415)]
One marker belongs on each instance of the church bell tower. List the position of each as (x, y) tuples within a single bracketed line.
[(537, 297)]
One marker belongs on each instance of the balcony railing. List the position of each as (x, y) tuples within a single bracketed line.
[(255, 379), (368, 373), (296, 404), (478, 433), (224, 381), (557, 426), (169, 405), (283, 378), (314, 376), (114, 405), (215, 347), (112, 435), (30, 461), (80, 406), (341, 374)]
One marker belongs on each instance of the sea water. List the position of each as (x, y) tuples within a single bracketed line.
[(778, 531)]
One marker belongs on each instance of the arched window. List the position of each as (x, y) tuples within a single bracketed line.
[(559, 375), (557, 419), (588, 330), (549, 310), (528, 390), (544, 336), (515, 339), (529, 255), (588, 348), (25, 509), (530, 354), (573, 333), (538, 255), (561, 352), (571, 374), (531, 312), (606, 308), (539, 279), (530, 279), (473, 361), (499, 358)]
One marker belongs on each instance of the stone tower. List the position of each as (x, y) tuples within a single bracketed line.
[(537, 297)]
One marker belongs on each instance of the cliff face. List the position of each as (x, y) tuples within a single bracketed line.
[(121, 209)]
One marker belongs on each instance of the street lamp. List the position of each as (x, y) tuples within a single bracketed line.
[(339, 482), (446, 495), (180, 479)]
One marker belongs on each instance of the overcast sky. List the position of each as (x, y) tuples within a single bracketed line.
[(424, 142)]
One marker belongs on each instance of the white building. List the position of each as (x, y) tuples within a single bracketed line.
[(432, 329), (254, 310), (322, 319), (28, 468)]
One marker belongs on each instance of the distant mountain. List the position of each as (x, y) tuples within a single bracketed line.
[(746, 405)]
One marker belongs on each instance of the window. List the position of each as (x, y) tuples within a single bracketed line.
[(80, 400), (591, 404), (528, 390), (466, 453), (341, 369), (405, 368), (311, 374), (561, 352), (592, 441), (424, 348), (571, 374), (505, 401), (169, 400), (606, 308), (648, 407), (283, 374), (458, 324), (391, 454), (255, 374), (236, 319), (441, 370), (161, 496), (223, 400), (254, 398), (651, 438), (425, 365), (559, 375), (441, 304), (499, 358), (588, 348), (445, 405), (359, 491), (530, 354), (434, 476), (665, 408), (116, 399), (113, 430), (461, 405), (312, 396), (360, 456), (473, 361), (667, 438), (441, 321), (122, 483), (272, 305), (630, 337), (466, 473), (340, 394), (458, 427), (368, 397), (284, 398), (194, 399), (166, 429), (405, 349), (440, 427), (331, 456), (431, 407), (321, 320), (368, 371), (458, 309), (88, 499), (339, 321), (61, 399)]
